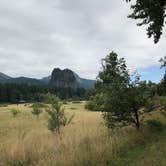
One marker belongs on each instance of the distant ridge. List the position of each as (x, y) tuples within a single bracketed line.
[(59, 78), (4, 77)]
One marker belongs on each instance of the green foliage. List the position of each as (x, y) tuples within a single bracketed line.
[(95, 103), (15, 93), (15, 112), (156, 103), (155, 125), (152, 13), (64, 102), (41, 105), (57, 118), (37, 109), (119, 98)]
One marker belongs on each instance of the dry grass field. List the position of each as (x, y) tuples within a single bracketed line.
[(26, 141)]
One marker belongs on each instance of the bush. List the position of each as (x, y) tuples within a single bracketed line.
[(15, 112), (65, 102), (41, 105), (90, 105), (95, 103), (37, 109), (3, 105), (155, 125)]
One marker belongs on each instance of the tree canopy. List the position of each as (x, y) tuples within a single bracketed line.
[(152, 13), (122, 99)]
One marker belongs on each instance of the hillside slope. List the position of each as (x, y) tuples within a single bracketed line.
[(148, 150)]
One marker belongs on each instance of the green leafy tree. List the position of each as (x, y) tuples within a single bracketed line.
[(152, 13), (37, 109), (57, 118), (122, 98)]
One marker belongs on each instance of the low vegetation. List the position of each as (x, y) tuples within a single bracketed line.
[(15, 111), (37, 109), (86, 141)]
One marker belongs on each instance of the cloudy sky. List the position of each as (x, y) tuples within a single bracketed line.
[(38, 35)]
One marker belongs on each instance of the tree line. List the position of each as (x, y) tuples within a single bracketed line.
[(15, 93)]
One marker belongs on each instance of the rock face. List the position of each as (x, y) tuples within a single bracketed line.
[(63, 79)]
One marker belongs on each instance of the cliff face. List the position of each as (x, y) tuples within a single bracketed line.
[(63, 79)]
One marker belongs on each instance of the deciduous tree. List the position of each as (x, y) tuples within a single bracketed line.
[(152, 13)]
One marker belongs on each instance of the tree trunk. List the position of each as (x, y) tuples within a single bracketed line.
[(137, 122)]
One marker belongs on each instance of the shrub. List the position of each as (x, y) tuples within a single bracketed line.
[(95, 103), (155, 124), (15, 112), (3, 105), (65, 102), (37, 109)]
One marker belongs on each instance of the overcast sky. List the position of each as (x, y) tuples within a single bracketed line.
[(38, 35)]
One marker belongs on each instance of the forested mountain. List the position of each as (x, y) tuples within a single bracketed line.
[(86, 83), (60, 78), (3, 77)]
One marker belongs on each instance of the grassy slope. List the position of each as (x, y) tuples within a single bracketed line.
[(151, 151), (25, 141)]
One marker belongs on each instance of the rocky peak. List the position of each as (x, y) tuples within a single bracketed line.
[(63, 79)]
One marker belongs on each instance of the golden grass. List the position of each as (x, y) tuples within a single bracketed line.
[(25, 140)]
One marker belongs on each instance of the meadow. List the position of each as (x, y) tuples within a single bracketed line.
[(26, 141)]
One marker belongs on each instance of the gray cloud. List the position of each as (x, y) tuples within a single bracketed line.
[(38, 35)]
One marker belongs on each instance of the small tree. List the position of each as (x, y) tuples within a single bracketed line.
[(122, 98), (57, 118), (37, 110)]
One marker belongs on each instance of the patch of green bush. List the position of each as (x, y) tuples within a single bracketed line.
[(39, 105), (37, 109), (155, 125), (3, 105), (95, 103), (15, 112), (64, 102)]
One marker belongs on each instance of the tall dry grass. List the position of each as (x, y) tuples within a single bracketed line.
[(24, 140)]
